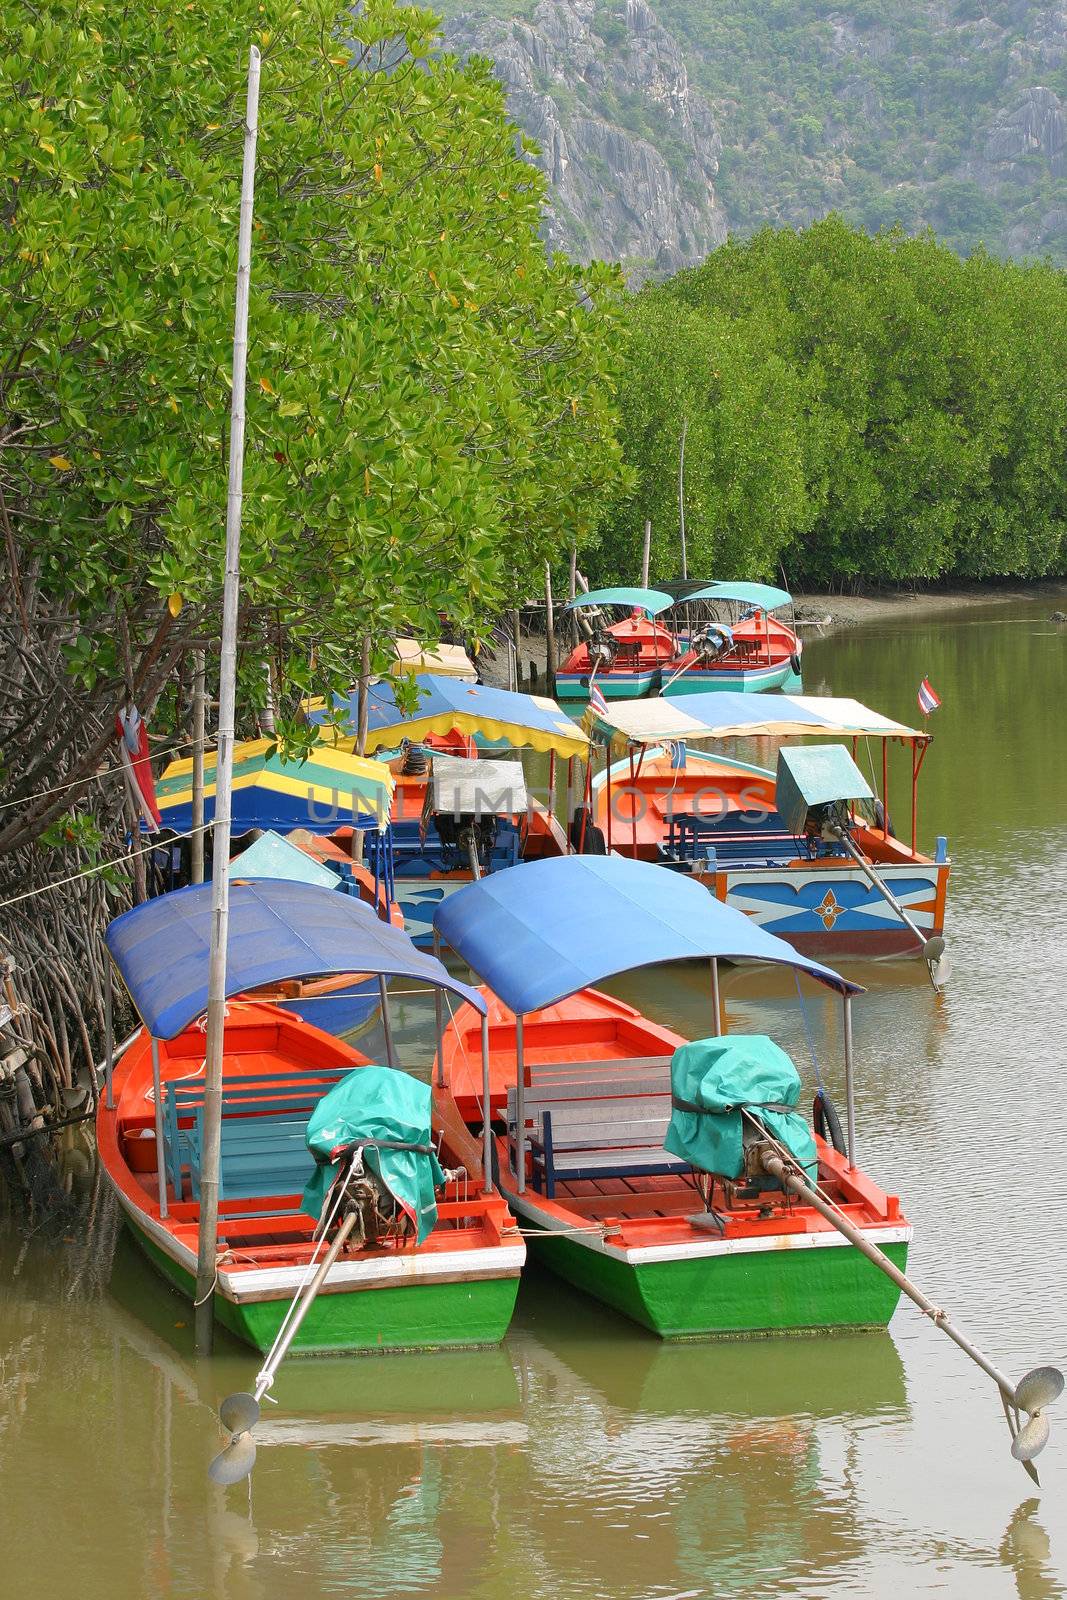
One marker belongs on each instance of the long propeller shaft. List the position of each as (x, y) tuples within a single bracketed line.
[(932, 950), (278, 1354), (777, 1168)]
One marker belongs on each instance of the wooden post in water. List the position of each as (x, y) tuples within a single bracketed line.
[(574, 570), (207, 1233), (199, 725), (550, 633), (516, 629), (646, 553)]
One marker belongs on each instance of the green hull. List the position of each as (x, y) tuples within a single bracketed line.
[(735, 1296), (422, 1316)]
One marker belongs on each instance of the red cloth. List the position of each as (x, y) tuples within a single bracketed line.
[(130, 728)]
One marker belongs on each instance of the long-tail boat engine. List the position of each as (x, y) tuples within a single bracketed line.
[(603, 648), (469, 803), (815, 791), (712, 642)]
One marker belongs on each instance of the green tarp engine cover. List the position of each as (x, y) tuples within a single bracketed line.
[(720, 1076), (377, 1103)]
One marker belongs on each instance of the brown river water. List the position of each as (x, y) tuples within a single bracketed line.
[(583, 1458)]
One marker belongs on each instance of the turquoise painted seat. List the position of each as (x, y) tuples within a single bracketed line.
[(267, 1099)]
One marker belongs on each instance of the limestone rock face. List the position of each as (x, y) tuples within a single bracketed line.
[(661, 123), (630, 148)]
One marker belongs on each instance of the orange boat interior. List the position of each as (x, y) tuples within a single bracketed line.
[(590, 1032), (644, 645), (267, 1227), (734, 806)]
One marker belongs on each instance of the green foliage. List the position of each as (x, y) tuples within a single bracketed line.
[(861, 409), (424, 383)]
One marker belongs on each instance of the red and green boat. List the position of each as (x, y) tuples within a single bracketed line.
[(455, 1288), (583, 1090)]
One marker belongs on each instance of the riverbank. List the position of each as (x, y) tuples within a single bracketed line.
[(851, 610), (816, 613)]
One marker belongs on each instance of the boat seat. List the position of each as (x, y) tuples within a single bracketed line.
[(258, 1155), (609, 1125), (246, 1097), (739, 838)]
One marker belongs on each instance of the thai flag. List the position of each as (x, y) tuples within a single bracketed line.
[(929, 699), (597, 702)]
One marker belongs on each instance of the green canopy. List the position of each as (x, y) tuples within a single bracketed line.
[(377, 1103), (650, 601), (720, 1076)]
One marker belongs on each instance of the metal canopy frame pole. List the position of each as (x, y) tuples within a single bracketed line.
[(387, 1025), (715, 995), (208, 1222), (109, 1038), (199, 729), (850, 1097), (607, 787), (570, 804), (161, 1164), (487, 1128), (520, 1106), (439, 1016), (885, 788)]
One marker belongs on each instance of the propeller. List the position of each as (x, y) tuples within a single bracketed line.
[(938, 961), (1032, 1394), (238, 1414)]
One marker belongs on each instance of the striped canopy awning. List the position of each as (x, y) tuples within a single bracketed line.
[(328, 790)]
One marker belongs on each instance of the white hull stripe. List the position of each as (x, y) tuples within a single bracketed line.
[(493, 1261), (643, 1255)]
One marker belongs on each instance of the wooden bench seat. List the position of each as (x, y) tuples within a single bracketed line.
[(595, 1119)]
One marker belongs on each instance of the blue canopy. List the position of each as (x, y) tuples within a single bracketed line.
[(543, 930), (277, 930), (503, 717), (651, 601), (748, 594)]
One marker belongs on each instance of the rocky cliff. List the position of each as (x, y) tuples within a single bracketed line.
[(664, 123), (630, 148)]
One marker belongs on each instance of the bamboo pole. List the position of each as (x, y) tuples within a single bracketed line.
[(646, 553), (220, 897), (199, 728), (550, 633)]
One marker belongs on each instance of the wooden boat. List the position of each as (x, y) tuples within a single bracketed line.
[(640, 656), (717, 819), (456, 1288), (458, 723), (580, 1087)]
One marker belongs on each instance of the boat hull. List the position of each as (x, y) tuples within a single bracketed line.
[(639, 685), (414, 1313), (833, 912), (714, 1291)]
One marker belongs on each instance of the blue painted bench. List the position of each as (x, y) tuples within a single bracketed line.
[(740, 838), (264, 1118)]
